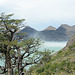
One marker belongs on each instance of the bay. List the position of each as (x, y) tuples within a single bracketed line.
[(55, 46)]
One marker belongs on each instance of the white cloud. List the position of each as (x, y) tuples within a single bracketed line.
[(41, 11), (3, 2)]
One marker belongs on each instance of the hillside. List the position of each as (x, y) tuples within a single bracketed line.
[(61, 63), (62, 33)]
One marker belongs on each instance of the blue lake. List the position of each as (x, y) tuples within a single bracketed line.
[(56, 46)]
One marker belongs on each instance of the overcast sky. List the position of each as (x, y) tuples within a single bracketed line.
[(40, 14)]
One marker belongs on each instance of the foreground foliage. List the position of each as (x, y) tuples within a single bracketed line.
[(61, 63), (17, 52)]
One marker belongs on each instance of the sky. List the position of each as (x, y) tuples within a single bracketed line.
[(40, 14)]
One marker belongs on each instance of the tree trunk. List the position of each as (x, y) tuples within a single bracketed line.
[(9, 71), (5, 64), (9, 64), (22, 72), (18, 69), (18, 62)]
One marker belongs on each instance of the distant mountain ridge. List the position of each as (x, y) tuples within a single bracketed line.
[(62, 33)]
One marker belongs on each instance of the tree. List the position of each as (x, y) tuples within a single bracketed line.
[(25, 55), (17, 51), (45, 57), (8, 28)]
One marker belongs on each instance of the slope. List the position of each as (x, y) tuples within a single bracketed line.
[(62, 62)]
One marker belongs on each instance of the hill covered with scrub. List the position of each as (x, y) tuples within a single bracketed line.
[(61, 63)]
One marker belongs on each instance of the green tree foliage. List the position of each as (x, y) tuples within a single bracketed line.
[(45, 57), (18, 53), (8, 28)]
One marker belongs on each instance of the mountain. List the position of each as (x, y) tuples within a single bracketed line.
[(62, 33), (61, 63), (68, 30), (50, 28), (30, 32)]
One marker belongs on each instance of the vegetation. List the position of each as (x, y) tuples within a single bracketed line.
[(17, 52), (61, 63), (8, 28)]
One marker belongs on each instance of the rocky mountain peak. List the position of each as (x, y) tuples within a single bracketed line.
[(50, 28), (28, 29), (67, 27)]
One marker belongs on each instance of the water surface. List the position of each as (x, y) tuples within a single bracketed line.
[(56, 46)]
